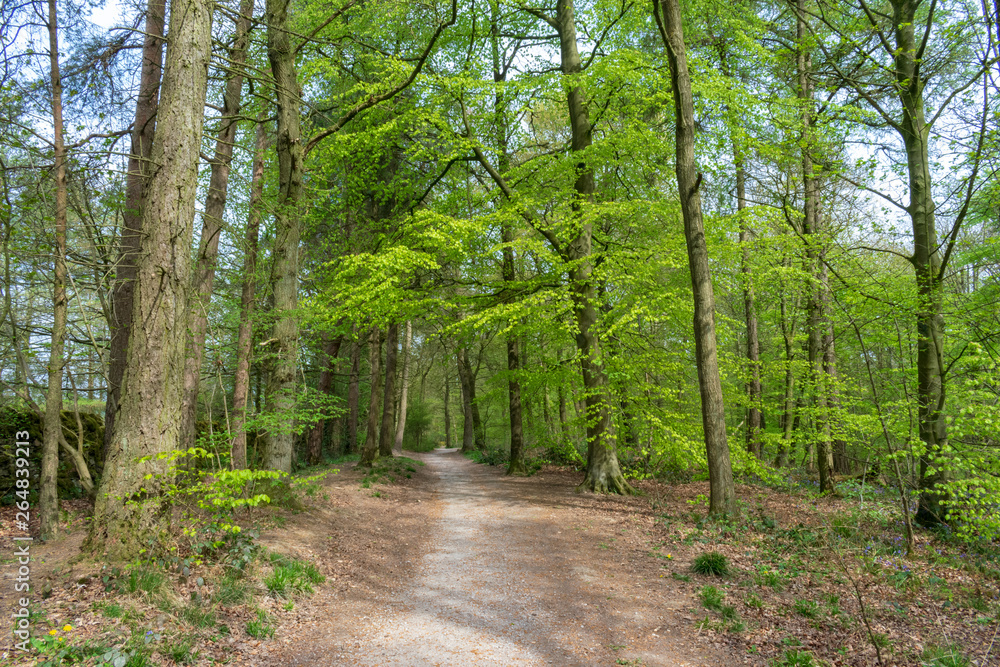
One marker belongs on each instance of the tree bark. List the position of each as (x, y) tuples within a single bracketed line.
[(754, 443), (244, 338), (404, 392), (927, 265), (128, 508), (468, 425), (48, 490), (812, 234), (369, 452), (215, 206), (139, 170), (285, 267), (603, 474), (447, 411), (354, 393), (315, 441), (722, 499), (387, 433)]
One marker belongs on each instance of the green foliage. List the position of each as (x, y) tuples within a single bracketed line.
[(180, 651), (807, 608), (795, 658), (260, 627), (290, 575), (711, 597), (142, 579), (711, 563), (198, 616), (947, 655), (232, 590)]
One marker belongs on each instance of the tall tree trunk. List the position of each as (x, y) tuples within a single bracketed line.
[(479, 433), (928, 269), (723, 496), (812, 233), (841, 464), (48, 490), (331, 349), (139, 170), (215, 206), (285, 267), (564, 419), (387, 433), (603, 474), (404, 392), (468, 425), (354, 393), (754, 442), (369, 452), (447, 411), (244, 339), (128, 509)]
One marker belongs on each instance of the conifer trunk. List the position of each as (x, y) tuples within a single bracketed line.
[(244, 338), (139, 169), (215, 207), (128, 510)]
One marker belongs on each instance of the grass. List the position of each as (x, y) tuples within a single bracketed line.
[(795, 658), (231, 591), (711, 597), (143, 580), (807, 608), (291, 576), (180, 651), (944, 656), (711, 563), (260, 627), (198, 617)]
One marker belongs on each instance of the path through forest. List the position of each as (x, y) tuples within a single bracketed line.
[(514, 572)]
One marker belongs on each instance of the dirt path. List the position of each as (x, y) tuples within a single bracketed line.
[(513, 572)]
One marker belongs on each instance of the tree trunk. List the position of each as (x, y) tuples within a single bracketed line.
[(215, 206), (128, 509), (315, 441), (401, 420), (722, 496), (285, 267), (812, 234), (754, 443), (369, 453), (48, 490), (841, 464), (603, 475), (564, 419), (468, 426), (354, 393), (927, 265), (477, 421), (139, 170), (387, 433), (447, 411), (244, 339)]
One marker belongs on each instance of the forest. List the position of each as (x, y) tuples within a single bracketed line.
[(744, 245)]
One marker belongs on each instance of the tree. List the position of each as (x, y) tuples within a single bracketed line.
[(127, 508), (723, 494)]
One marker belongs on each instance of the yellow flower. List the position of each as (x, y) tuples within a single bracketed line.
[(67, 627), (52, 632), (60, 638)]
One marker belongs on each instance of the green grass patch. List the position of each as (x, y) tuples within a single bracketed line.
[(290, 576), (711, 563), (260, 627), (142, 579), (711, 597)]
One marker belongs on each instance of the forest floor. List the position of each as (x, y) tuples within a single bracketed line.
[(436, 560)]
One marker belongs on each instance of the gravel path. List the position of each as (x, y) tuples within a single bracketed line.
[(509, 580)]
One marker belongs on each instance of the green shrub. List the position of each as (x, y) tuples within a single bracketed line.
[(711, 563)]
